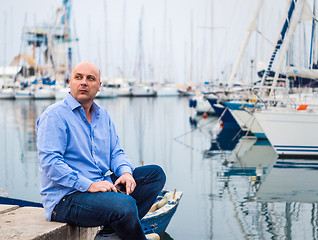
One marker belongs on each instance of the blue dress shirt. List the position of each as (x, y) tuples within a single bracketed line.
[(74, 153)]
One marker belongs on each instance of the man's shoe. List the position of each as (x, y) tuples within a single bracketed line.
[(106, 236), (153, 236)]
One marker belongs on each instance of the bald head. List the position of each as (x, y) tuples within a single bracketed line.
[(84, 83), (88, 66)]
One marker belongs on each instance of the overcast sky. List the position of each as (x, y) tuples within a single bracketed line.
[(176, 33)]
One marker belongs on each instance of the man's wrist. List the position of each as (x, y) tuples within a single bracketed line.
[(124, 169)]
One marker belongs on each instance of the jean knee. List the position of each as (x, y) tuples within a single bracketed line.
[(161, 175), (126, 208)]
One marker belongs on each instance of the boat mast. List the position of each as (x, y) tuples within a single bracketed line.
[(124, 41), (66, 22), (251, 28), (191, 51), (312, 36), (279, 42), (140, 55), (165, 42), (4, 38), (106, 36), (211, 44), (299, 9)]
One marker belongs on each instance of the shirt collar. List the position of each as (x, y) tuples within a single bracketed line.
[(73, 103)]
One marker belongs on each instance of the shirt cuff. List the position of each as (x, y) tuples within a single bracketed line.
[(124, 169), (82, 184)]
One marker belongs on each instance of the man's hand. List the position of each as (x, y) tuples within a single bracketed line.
[(102, 186), (128, 180)]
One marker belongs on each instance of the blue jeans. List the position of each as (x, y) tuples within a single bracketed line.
[(118, 211)]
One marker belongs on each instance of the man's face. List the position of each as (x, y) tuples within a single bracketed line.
[(84, 82)]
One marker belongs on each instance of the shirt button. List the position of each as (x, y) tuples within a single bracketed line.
[(93, 152)]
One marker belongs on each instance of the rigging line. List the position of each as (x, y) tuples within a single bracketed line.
[(240, 147), (265, 38), (192, 130), (237, 134), (198, 128), (221, 50)]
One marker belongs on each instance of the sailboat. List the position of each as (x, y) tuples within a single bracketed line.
[(290, 126), (142, 88), (232, 97), (45, 58), (7, 84)]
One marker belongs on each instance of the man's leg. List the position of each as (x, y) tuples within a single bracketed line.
[(99, 209), (150, 180)]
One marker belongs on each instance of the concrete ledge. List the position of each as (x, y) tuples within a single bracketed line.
[(29, 223), (7, 208)]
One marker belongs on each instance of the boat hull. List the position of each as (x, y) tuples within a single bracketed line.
[(6, 94), (248, 122), (291, 133), (106, 93), (157, 221), (245, 119), (44, 93), (143, 92), (23, 94)]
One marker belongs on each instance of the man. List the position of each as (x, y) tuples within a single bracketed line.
[(77, 148)]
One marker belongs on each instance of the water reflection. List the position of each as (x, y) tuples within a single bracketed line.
[(242, 192), (290, 180), (19, 170), (251, 157), (224, 138), (266, 197)]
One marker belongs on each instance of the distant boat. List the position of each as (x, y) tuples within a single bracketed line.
[(140, 90), (6, 93), (186, 91), (61, 92), (106, 92), (47, 92), (201, 105), (167, 90), (223, 113), (26, 93), (143, 88), (7, 84), (121, 87)]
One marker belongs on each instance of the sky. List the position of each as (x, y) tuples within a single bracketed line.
[(182, 40)]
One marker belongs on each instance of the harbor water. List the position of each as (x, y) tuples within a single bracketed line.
[(233, 185)]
